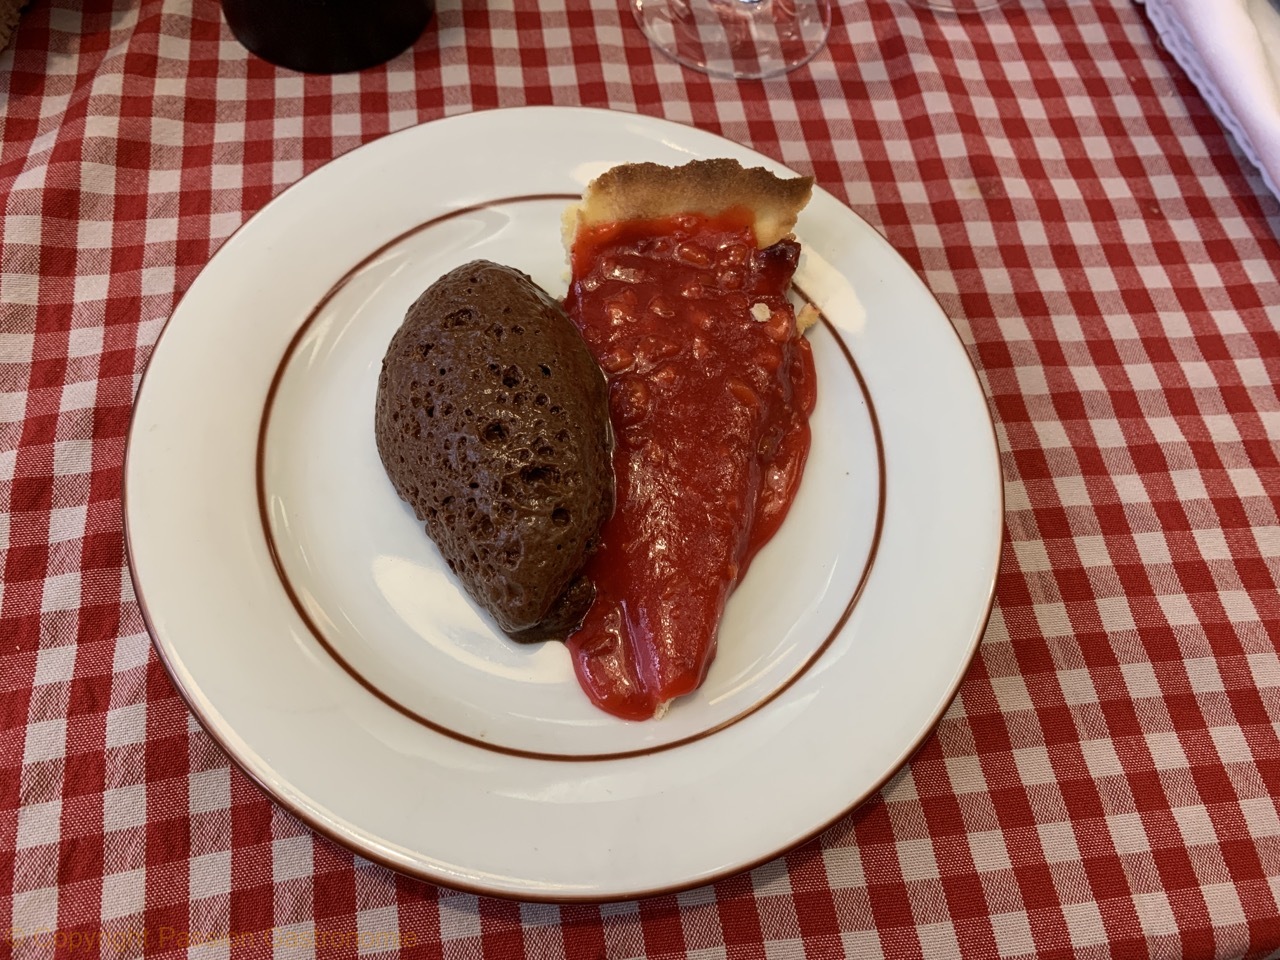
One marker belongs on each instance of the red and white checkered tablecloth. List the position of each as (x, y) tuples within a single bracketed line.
[(1105, 783)]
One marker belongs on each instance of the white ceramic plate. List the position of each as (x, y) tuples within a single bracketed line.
[(314, 631)]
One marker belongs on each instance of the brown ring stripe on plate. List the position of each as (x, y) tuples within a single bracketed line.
[(300, 607)]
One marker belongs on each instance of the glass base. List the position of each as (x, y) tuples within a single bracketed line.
[(746, 39), (958, 6)]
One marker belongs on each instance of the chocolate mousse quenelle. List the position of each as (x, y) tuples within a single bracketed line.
[(492, 422)]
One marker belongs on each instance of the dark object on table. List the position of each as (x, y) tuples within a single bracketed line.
[(10, 12), (327, 36), (492, 421)]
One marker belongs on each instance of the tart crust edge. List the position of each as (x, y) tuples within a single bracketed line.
[(643, 191)]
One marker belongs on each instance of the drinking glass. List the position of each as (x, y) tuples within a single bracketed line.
[(745, 39)]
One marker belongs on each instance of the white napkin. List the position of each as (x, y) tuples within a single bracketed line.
[(1231, 51)]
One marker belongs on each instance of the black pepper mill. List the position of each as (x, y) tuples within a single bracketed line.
[(327, 36)]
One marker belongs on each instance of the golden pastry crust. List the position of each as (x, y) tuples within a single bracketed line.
[(806, 317), (642, 191)]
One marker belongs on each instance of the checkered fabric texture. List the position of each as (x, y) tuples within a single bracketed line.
[(1105, 783)]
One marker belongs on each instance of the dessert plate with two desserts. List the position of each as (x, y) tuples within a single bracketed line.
[(366, 675)]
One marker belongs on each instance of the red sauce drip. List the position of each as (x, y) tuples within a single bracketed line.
[(710, 408)]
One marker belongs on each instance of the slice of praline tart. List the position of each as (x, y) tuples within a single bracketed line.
[(679, 285)]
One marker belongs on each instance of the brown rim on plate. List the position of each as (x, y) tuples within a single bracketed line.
[(335, 835), (300, 606)]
